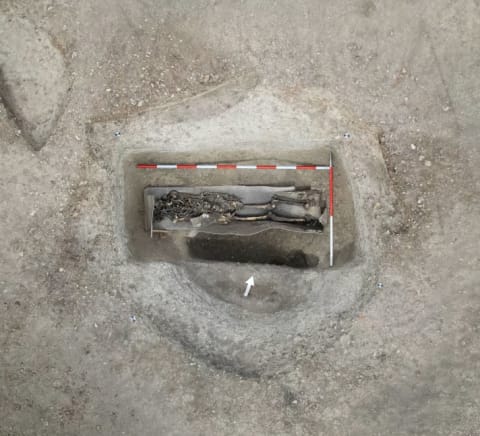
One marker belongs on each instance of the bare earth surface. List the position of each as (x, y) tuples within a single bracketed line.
[(102, 333)]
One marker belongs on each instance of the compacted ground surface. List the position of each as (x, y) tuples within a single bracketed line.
[(106, 331)]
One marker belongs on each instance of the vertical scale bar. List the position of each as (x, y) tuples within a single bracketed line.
[(330, 208)]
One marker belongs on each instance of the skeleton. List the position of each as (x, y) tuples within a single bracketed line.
[(297, 207)]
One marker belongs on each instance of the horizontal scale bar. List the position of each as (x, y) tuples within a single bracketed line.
[(228, 166)]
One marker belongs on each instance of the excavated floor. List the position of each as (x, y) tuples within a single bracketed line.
[(106, 332)]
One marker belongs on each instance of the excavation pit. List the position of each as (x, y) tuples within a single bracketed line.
[(275, 246), (192, 288)]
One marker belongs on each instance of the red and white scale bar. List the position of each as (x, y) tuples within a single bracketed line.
[(229, 166), (234, 166)]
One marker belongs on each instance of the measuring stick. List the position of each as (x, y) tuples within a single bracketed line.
[(330, 207), (229, 166)]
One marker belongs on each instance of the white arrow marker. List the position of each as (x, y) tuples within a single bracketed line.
[(250, 282)]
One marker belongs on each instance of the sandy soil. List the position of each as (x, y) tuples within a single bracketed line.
[(98, 338)]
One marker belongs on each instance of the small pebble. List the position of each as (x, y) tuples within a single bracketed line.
[(413, 146), (428, 163)]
